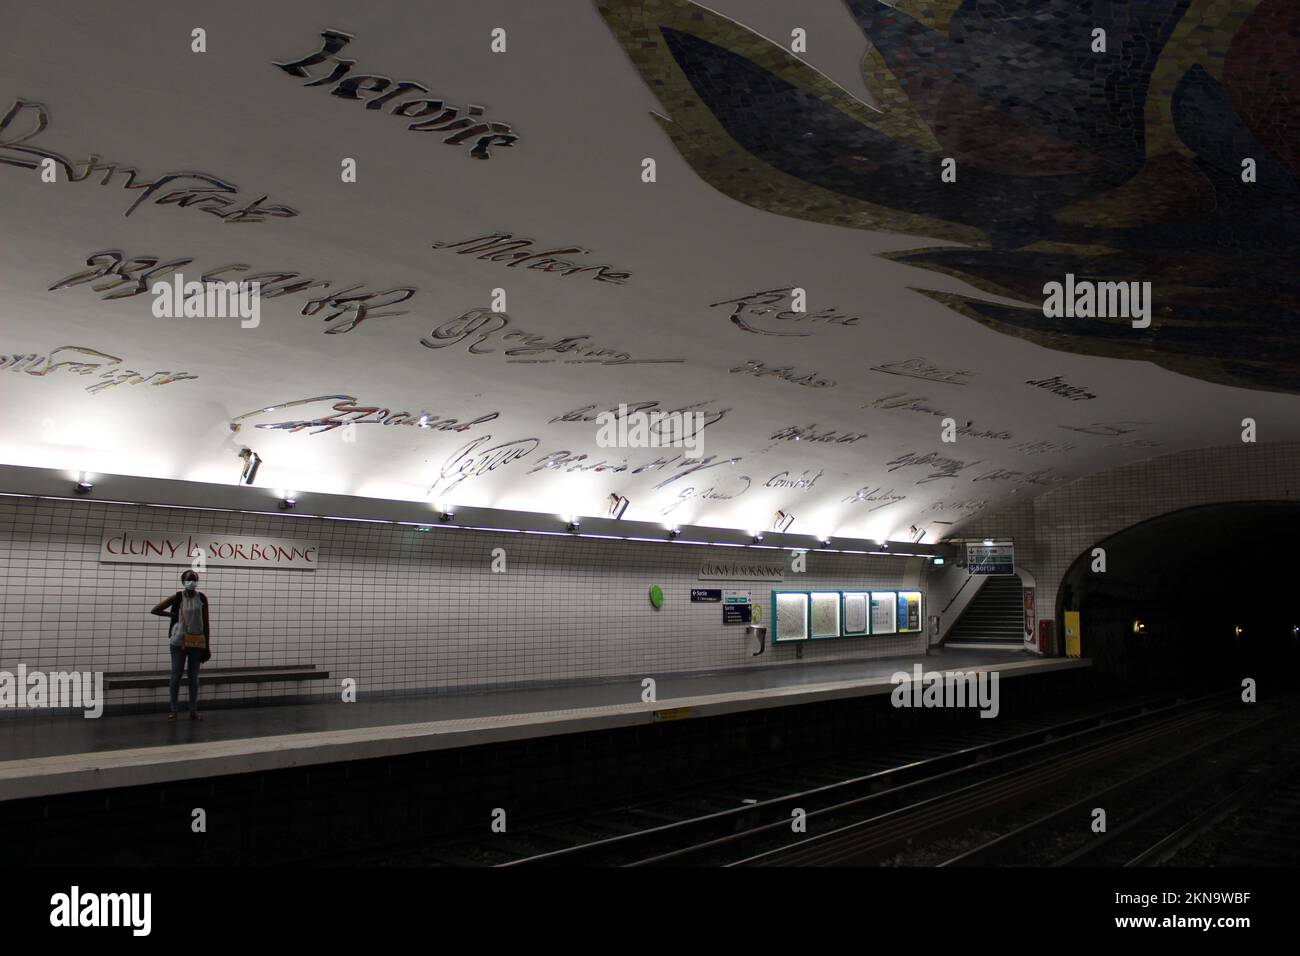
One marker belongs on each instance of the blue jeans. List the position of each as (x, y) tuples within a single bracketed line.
[(179, 658)]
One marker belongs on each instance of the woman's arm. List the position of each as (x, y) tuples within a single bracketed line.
[(207, 632), (163, 607)]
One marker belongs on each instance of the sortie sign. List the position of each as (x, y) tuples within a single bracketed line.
[(221, 550)]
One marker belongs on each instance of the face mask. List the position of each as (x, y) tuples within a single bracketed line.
[(191, 585)]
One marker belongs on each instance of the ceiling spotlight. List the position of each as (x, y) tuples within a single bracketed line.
[(782, 521), (826, 541), (287, 502), (758, 536), (573, 525), (446, 514), (617, 505), (82, 487), (251, 463), (674, 532)]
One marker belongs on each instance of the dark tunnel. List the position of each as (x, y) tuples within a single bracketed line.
[(1196, 599)]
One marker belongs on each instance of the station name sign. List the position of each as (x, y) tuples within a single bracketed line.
[(179, 547), (741, 571)]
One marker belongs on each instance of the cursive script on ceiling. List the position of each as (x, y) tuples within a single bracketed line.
[(514, 251), (346, 411), (477, 458), (80, 360), (430, 115), (906, 402), (1106, 429), (810, 433), (1058, 386), (942, 467), (485, 323), (969, 505), (125, 277), (198, 190), (878, 497), (1042, 447), (588, 413), (786, 373), (760, 306), (783, 479), (726, 489), (920, 368), (1043, 476)]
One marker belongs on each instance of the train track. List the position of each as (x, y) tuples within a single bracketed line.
[(1155, 805), (865, 806), (1258, 824), (594, 822), (750, 821), (1030, 779)]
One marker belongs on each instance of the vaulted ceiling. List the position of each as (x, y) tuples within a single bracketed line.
[(828, 226)]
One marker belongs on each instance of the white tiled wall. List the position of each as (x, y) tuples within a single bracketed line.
[(396, 609), (1052, 530)]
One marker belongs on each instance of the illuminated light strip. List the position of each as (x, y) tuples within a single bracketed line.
[(428, 526)]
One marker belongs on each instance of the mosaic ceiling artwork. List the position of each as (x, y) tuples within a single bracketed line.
[(1170, 156), (854, 268)]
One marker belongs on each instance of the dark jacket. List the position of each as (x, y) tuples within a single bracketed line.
[(171, 609)]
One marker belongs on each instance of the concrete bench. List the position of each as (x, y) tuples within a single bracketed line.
[(121, 680)]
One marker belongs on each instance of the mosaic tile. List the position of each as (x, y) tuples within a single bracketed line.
[(1117, 166)]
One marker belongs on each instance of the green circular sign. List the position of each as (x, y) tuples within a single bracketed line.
[(656, 596)]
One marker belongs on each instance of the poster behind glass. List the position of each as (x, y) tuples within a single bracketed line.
[(791, 613), (884, 612), (909, 612), (857, 605), (825, 613)]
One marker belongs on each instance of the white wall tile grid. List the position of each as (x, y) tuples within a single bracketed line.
[(396, 609)]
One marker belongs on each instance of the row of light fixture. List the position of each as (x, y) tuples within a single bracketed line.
[(617, 507)]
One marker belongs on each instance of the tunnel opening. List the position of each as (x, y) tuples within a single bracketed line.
[(1194, 600)]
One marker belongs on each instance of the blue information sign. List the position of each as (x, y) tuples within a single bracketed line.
[(991, 558)]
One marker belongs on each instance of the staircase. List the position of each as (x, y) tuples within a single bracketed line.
[(996, 615)]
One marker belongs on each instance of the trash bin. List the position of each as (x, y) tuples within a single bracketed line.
[(760, 632)]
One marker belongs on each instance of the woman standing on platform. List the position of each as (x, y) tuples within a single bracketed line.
[(188, 638)]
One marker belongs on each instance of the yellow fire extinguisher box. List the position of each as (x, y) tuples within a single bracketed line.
[(1072, 634)]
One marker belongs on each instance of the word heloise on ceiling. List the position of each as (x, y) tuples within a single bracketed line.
[(445, 118)]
